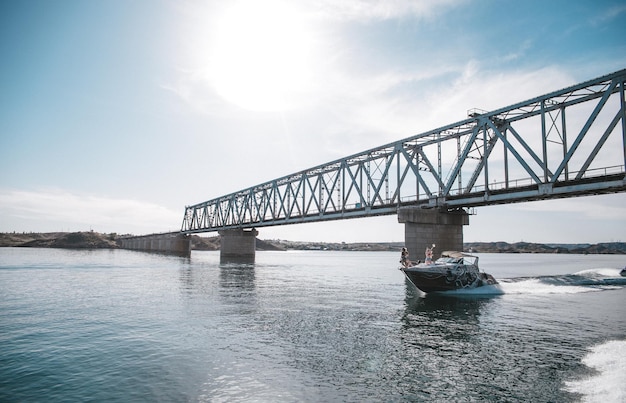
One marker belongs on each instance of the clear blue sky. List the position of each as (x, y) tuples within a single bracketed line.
[(116, 114)]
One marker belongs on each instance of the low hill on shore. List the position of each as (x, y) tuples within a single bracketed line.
[(96, 240), (610, 248), (74, 240)]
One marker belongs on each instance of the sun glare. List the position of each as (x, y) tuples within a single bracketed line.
[(261, 54)]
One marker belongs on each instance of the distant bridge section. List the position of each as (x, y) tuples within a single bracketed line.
[(567, 143), (168, 242)]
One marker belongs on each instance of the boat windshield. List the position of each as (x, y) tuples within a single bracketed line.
[(465, 260), (447, 259)]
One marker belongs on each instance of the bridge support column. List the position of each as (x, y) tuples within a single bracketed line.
[(238, 245), (424, 227)]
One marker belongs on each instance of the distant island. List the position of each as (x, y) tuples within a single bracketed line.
[(96, 240)]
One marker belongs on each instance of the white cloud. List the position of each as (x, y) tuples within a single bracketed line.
[(59, 210), (329, 79), (608, 14), (607, 207), (488, 90), (374, 108), (577, 220), (519, 53), (366, 10)]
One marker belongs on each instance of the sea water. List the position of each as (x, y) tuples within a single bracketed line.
[(314, 326)]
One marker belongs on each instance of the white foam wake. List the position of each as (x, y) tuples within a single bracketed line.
[(605, 272), (534, 286), (609, 360)]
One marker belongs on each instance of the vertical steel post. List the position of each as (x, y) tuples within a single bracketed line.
[(439, 170), (339, 186), (564, 132), (417, 175), (486, 163), (397, 153), (386, 173), (322, 186), (544, 140), (343, 186), (369, 175), (506, 159), (623, 112), (303, 187), (458, 158)]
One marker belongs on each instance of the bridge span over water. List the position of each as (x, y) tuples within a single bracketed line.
[(568, 143)]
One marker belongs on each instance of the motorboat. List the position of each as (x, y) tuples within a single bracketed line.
[(623, 272), (452, 271)]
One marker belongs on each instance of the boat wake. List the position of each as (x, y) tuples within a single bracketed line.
[(583, 281), (608, 360)]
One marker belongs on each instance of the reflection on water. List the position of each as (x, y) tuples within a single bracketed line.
[(443, 346), (237, 287), (237, 275), (243, 260), (443, 323)]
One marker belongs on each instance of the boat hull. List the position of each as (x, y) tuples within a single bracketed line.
[(444, 280)]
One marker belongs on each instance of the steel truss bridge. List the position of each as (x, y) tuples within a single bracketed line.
[(567, 143)]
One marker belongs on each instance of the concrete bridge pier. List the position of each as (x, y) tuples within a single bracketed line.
[(238, 245), (424, 227)]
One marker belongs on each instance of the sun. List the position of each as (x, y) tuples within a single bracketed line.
[(261, 55)]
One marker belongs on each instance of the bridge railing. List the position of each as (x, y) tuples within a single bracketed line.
[(568, 142), (602, 172)]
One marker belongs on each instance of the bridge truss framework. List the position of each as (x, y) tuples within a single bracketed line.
[(570, 142)]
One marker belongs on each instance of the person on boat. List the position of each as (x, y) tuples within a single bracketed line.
[(404, 258), (429, 254)]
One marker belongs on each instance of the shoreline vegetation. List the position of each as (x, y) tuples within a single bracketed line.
[(96, 240)]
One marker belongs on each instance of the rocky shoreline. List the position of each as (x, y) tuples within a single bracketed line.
[(96, 240)]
